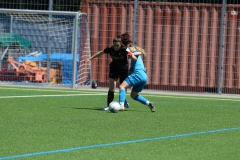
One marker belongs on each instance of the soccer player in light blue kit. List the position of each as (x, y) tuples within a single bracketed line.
[(136, 80)]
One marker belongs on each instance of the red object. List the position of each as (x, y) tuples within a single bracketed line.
[(129, 53)]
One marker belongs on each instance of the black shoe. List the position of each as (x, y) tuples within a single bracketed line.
[(151, 106)]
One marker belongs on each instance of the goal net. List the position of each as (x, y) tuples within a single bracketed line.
[(52, 45)]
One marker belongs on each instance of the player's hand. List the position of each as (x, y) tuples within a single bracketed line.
[(132, 56), (129, 56)]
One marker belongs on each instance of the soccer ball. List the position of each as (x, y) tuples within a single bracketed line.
[(114, 107)]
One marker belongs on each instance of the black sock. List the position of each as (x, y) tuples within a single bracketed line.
[(110, 97)]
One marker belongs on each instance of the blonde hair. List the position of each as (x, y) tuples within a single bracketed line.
[(132, 48)]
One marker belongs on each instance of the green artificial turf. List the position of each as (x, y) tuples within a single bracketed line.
[(62, 124)]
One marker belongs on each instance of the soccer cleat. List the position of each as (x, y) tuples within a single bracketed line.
[(121, 108), (126, 104), (105, 108), (151, 106)]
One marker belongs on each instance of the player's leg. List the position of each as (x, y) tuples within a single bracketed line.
[(138, 87), (123, 75), (135, 95), (111, 90), (122, 93), (128, 82), (113, 76)]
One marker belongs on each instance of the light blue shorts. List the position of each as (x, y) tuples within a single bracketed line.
[(137, 80)]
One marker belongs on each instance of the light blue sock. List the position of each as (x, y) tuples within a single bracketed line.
[(140, 99), (122, 95)]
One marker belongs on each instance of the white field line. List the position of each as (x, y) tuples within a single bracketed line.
[(93, 93), (64, 95), (51, 90), (68, 95), (188, 97)]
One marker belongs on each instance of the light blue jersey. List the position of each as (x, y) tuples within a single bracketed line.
[(137, 64), (138, 78)]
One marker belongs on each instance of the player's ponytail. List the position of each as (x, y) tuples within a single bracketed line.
[(141, 50)]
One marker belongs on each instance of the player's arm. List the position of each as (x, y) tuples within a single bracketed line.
[(95, 55), (132, 56), (137, 53)]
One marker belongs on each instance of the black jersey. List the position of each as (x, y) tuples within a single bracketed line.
[(119, 58)]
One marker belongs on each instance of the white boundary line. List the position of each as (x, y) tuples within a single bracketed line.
[(96, 92), (86, 94), (38, 89), (64, 95), (188, 97)]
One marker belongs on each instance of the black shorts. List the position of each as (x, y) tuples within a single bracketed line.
[(120, 72)]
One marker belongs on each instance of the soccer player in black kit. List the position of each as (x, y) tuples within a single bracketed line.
[(118, 67)]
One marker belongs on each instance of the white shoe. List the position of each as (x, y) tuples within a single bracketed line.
[(121, 108), (105, 108)]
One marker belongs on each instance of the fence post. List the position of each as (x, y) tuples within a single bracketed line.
[(50, 5), (49, 43), (135, 22), (75, 38), (221, 48)]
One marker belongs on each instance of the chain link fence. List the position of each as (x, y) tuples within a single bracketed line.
[(75, 5), (56, 5)]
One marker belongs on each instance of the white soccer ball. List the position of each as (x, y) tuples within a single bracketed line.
[(114, 107)]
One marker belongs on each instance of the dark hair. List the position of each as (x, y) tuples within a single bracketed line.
[(128, 43), (117, 39), (126, 39)]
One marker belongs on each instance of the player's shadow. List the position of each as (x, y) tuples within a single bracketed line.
[(94, 109), (100, 109)]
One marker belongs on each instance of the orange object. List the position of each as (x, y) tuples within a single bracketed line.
[(26, 71)]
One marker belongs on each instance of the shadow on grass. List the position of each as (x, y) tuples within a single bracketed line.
[(95, 109), (100, 109)]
